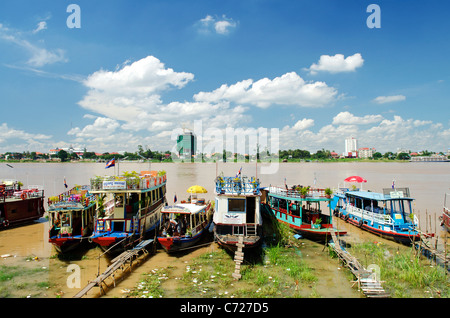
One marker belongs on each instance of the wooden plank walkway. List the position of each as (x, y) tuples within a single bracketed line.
[(238, 258), (366, 280), (116, 263)]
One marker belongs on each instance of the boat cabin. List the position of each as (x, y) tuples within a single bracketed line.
[(390, 208), (185, 219)]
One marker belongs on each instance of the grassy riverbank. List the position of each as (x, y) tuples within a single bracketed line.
[(285, 269), (27, 278), (405, 273)]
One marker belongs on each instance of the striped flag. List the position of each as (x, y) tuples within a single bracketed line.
[(239, 172), (65, 182), (175, 198), (110, 163)]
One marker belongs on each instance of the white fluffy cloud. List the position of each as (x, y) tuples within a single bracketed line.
[(303, 124), (370, 131), (128, 102), (21, 140), (210, 24), (337, 64), (346, 118), (41, 26), (288, 89), (39, 56), (389, 99)]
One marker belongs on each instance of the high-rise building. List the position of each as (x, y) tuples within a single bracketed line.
[(351, 147), (186, 145)]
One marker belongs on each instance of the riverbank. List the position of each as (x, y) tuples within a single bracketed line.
[(291, 268)]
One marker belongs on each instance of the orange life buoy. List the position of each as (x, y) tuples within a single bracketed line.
[(155, 181), (23, 196)]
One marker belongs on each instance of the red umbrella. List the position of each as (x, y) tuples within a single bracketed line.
[(355, 179)]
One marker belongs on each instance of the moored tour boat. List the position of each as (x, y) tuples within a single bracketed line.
[(71, 217), (302, 209), (17, 205), (128, 208), (386, 214), (237, 212), (184, 224)]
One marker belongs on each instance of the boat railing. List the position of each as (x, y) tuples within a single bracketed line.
[(126, 183), (293, 193), (78, 194), (370, 216), (238, 185), (248, 229), (106, 225)]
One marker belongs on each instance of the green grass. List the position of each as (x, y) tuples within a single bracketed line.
[(405, 273), (21, 281)]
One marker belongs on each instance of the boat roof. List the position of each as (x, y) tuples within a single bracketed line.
[(183, 208), (378, 196)]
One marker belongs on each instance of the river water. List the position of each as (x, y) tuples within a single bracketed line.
[(428, 182)]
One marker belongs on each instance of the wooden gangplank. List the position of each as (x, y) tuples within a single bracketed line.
[(238, 258), (366, 280), (116, 264)]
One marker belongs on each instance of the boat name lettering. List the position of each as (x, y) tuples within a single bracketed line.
[(115, 185)]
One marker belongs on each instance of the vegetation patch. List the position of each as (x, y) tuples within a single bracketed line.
[(405, 273)]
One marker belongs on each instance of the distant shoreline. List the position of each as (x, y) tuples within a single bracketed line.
[(356, 160)]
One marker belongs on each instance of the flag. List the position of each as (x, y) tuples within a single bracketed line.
[(175, 198), (65, 183), (393, 184), (239, 172), (110, 163)]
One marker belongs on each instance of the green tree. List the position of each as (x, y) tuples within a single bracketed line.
[(63, 155), (377, 155), (403, 156)]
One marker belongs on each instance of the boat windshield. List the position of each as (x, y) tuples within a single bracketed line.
[(402, 207)]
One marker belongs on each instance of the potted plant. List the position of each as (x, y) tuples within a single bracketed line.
[(328, 193), (317, 223), (304, 191)]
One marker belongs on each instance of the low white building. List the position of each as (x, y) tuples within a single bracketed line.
[(366, 152)]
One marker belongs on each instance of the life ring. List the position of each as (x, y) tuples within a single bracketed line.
[(23, 196), (346, 217), (360, 223), (87, 201), (155, 181), (5, 223), (148, 183)]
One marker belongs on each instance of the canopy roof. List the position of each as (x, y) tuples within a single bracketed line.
[(183, 208), (376, 196)]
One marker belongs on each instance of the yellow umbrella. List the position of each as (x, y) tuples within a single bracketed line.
[(196, 189)]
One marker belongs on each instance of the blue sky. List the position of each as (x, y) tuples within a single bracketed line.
[(137, 72)]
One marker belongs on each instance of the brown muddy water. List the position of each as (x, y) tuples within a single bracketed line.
[(27, 249)]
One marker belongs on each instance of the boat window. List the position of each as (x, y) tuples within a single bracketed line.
[(236, 205)]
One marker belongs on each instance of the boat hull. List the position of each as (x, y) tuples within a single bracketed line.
[(178, 243), (321, 234), (66, 244), (403, 238), (230, 241), (446, 221), (17, 212)]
